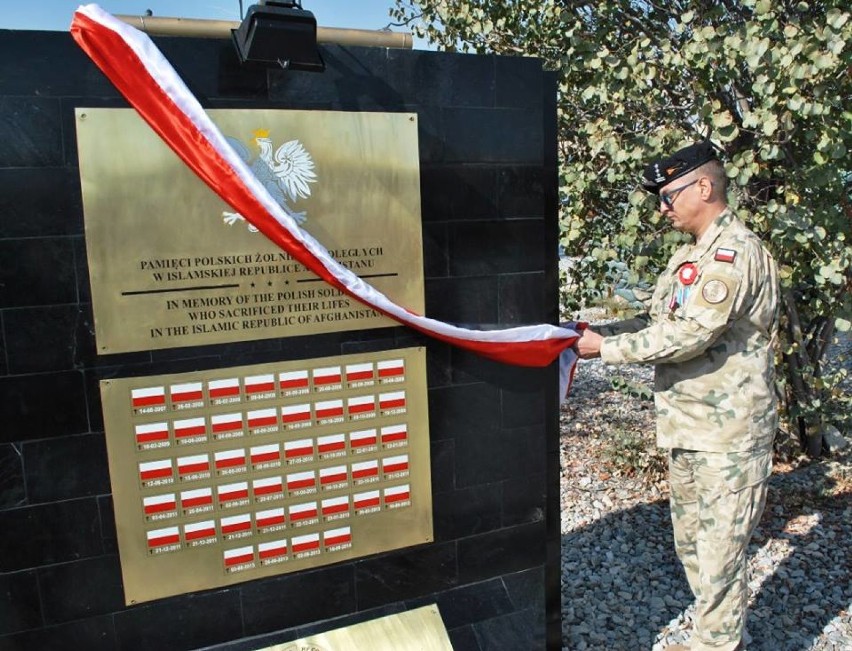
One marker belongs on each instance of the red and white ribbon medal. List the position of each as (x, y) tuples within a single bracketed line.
[(686, 275)]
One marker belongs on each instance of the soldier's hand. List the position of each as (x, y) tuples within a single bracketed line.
[(588, 346)]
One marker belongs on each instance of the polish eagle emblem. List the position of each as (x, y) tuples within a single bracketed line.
[(286, 173)]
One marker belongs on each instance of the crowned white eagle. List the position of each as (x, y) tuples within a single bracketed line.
[(285, 173)]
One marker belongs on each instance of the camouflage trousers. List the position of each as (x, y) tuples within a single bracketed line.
[(717, 499)]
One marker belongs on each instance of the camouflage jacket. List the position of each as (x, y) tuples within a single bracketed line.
[(709, 329)]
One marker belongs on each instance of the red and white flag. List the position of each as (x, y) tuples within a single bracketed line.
[(326, 376), (229, 459), (393, 433), (228, 388), (199, 530), (188, 392), (270, 518), (159, 504), (339, 536), (193, 464), (161, 537), (395, 464), (361, 404), (151, 433), (334, 505), (303, 511), (299, 449), (305, 543), (392, 400), (295, 414), (329, 408), (232, 492), (397, 493), (365, 469), (196, 497), (238, 556), (362, 438), (150, 84), (262, 418), (333, 475), (391, 368), (222, 423), (190, 427), (235, 523), (260, 384), (151, 470), (267, 486), (366, 500), (265, 453), (359, 372), (148, 397), (331, 443), (272, 549), (300, 480), (291, 380)]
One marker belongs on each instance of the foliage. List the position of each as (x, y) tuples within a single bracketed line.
[(632, 453), (767, 81)]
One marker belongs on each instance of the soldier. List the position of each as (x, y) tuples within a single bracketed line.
[(709, 331)]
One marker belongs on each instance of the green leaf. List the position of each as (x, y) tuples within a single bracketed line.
[(842, 325)]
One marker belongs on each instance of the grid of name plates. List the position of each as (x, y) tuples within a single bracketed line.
[(234, 474)]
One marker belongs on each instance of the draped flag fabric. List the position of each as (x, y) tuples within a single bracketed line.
[(149, 83)]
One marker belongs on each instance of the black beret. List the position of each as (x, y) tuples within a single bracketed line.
[(664, 171)]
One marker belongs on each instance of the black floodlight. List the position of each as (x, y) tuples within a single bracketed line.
[(279, 32)]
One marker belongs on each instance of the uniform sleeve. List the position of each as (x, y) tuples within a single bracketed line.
[(635, 324), (722, 293)]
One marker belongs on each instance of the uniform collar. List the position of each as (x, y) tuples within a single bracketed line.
[(712, 233)]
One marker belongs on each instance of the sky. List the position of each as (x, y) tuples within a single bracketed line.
[(55, 15)]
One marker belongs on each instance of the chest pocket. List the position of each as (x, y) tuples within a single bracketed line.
[(712, 299)]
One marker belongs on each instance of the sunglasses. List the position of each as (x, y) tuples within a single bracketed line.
[(668, 198)]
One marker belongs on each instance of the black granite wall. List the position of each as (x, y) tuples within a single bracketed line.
[(488, 183)]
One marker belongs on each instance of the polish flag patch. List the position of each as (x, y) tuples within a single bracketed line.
[(362, 438), (196, 463), (265, 453), (270, 518), (397, 494), (235, 523), (334, 505), (151, 433), (305, 543), (361, 404), (341, 536), (262, 418), (189, 392), (332, 475), (295, 413), (297, 449), (391, 368), (148, 397), (190, 427), (226, 423), (228, 388), (272, 549), (331, 443), (303, 511), (260, 384), (268, 486), (196, 497), (161, 537), (238, 556), (229, 459), (395, 464), (366, 500), (394, 433), (299, 480), (159, 504), (151, 470), (232, 492), (199, 530), (393, 400), (725, 255), (326, 376), (359, 372), (365, 469), (290, 380), (329, 408)]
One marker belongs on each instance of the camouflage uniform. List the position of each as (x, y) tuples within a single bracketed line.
[(711, 342)]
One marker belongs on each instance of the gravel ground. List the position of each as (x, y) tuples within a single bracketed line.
[(622, 585)]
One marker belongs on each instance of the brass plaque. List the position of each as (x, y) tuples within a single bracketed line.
[(227, 475), (421, 629), (171, 265)]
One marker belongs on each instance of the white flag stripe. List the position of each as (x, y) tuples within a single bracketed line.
[(366, 367), (230, 383), (331, 438), (189, 422), (393, 429), (230, 520), (219, 419), (364, 465), (342, 531), (232, 488), (271, 513), (302, 508), (363, 434), (296, 445), (397, 490), (161, 533), (160, 464), (293, 375), (262, 413), (265, 449), (335, 501), (336, 470), (152, 427), (158, 499), (362, 400), (289, 410), (230, 454), (308, 538), (199, 526), (189, 387), (240, 551), (192, 460), (267, 481), (260, 379), (392, 461), (300, 476), (391, 363), (272, 545), (326, 371), (330, 404), (395, 395)]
